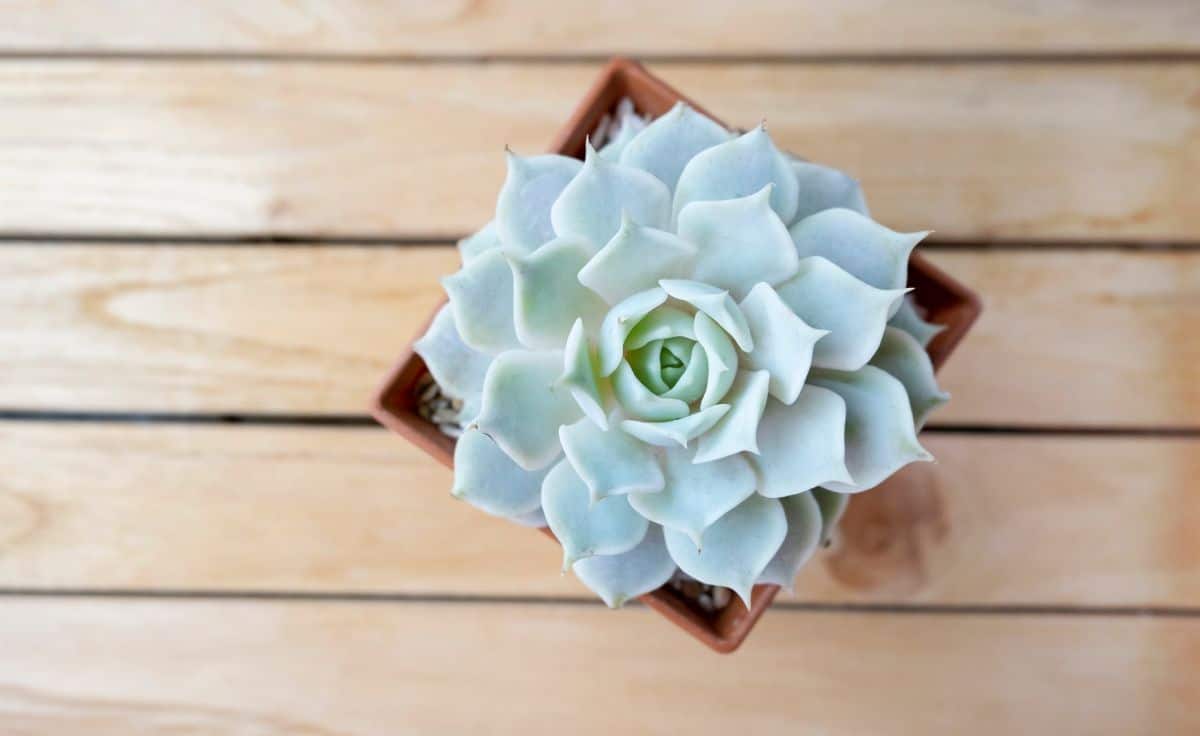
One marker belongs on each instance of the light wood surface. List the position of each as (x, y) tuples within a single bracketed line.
[(290, 575), (163, 667), (571, 27), (998, 520), (1103, 338), (1025, 150)]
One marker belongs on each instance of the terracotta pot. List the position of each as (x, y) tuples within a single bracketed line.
[(946, 302)]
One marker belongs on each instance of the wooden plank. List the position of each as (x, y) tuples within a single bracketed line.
[(571, 27), (998, 520), (1067, 338), (360, 149), (159, 667)]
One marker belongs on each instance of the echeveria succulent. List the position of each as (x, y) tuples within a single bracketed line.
[(677, 353)]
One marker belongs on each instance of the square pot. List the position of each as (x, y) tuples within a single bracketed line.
[(944, 300)]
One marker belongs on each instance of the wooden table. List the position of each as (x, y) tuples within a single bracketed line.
[(222, 221)]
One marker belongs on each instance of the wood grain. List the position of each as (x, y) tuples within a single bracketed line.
[(997, 521), (1103, 338), (571, 27), (1021, 150), (152, 667)]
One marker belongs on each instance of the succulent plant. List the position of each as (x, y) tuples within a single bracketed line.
[(683, 352)]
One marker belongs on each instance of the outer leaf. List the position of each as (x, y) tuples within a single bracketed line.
[(739, 242), (737, 548), (854, 313), (908, 319), (534, 519), (481, 297), (639, 402), (802, 446), (867, 250), (458, 368), (489, 480), (524, 405), (618, 323), (903, 357), (619, 578), (610, 461), (803, 538), (592, 205), (880, 434), (695, 496), (635, 259), (579, 376), (678, 431), (822, 188), (714, 302), (738, 430), (833, 505), (549, 298), (720, 356), (607, 527), (739, 168), (783, 343), (669, 142), (486, 239), (532, 185)]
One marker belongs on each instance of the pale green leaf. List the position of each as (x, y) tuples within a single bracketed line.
[(823, 188), (833, 506), (663, 323), (532, 185), (903, 357), (524, 404), (909, 319), (678, 431), (738, 168), (625, 576), (880, 434), (738, 429), (635, 259), (739, 242), (783, 343), (481, 297), (592, 206), (695, 496), (714, 302), (641, 403), (549, 297), (618, 323), (669, 142), (610, 462), (720, 356), (802, 445), (828, 298), (486, 239), (583, 528), (691, 384), (488, 479), (867, 250), (457, 368), (803, 537), (579, 376), (737, 547)]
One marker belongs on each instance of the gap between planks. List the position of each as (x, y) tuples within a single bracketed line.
[(334, 597), (367, 422), (906, 58), (283, 240)]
